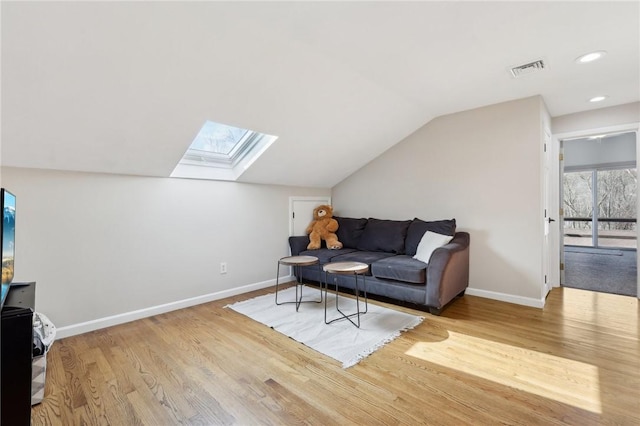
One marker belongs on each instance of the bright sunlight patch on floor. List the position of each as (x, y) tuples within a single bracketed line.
[(570, 382)]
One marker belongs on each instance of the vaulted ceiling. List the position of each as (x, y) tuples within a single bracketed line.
[(123, 87)]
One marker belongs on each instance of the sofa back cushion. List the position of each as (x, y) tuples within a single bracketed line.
[(418, 228), (350, 230), (384, 235)]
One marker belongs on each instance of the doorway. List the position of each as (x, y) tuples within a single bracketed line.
[(599, 200)]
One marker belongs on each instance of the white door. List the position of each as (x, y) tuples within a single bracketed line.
[(552, 229), (561, 210), (547, 220), (301, 212)]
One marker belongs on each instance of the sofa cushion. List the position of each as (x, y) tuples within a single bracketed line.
[(384, 235), (326, 255), (368, 257), (419, 227), (429, 242), (350, 230), (400, 268)]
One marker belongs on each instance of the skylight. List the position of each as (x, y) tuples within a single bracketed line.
[(221, 152)]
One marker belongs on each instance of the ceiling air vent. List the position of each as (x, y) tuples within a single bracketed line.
[(528, 68)]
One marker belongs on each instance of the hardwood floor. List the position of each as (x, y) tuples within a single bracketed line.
[(481, 362)]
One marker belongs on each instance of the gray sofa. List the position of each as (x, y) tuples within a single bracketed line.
[(388, 247)]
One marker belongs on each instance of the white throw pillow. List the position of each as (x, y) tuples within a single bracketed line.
[(429, 242)]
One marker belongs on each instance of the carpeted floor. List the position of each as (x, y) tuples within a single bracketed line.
[(606, 271)]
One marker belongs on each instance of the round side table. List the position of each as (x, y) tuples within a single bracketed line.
[(298, 262), (357, 269)]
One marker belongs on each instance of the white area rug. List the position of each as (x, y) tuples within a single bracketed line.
[(340, 340)]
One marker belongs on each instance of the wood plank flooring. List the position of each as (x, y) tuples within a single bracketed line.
[(577, 362)]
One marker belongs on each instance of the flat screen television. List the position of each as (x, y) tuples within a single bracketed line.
[(8, 234)]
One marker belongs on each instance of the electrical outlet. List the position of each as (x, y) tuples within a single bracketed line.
[(223, 267)]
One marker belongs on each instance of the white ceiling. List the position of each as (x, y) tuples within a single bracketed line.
[(123, 87)]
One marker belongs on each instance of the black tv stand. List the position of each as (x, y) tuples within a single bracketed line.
[(16, 353)]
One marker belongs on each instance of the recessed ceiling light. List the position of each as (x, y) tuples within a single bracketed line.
[(598, 98), (590, 57)]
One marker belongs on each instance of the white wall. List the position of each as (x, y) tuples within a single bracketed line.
[(482, 167), (584, 152), (101, 245), (619, 115)]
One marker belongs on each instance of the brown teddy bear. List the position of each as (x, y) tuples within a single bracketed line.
[(323, 227)]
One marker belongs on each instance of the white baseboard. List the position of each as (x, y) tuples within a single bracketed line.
[(85, 327), (503, 297)]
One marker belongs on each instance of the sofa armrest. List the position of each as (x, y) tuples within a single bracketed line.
[(298, 244), (448, 272)]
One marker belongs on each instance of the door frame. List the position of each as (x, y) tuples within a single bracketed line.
[(555, 165)]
